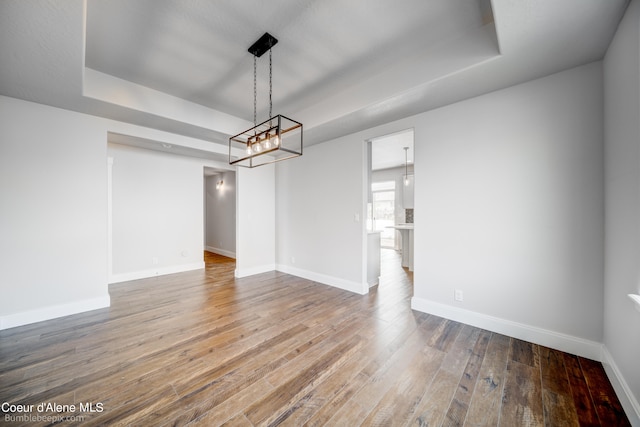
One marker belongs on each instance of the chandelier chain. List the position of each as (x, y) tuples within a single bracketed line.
[(270, 84), (255, 92)]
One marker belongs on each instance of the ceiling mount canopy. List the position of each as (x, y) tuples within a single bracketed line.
[(262, 45), (277, 138)]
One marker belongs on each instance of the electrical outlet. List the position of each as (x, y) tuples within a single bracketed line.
[(154, 260), (458, 295)]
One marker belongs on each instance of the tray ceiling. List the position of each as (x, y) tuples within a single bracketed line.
[(339, 67)]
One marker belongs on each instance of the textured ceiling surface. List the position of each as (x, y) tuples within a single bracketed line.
[(339, 67)]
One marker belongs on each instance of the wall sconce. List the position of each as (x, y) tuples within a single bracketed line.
[(219, 184), (636, 299)]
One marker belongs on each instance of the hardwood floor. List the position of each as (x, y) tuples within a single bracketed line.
[(202, 348)]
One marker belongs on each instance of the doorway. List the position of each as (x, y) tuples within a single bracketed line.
[(390, 203), (220, 212)]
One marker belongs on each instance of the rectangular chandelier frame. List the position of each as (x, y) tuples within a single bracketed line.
[(278, 138)]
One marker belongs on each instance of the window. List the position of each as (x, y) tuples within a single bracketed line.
[(384, 206)]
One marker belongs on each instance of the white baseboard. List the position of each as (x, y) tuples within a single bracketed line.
[(222, 252), (143, 274), (623, 391), (52, 312), (559, 341), (336, 282), (245, 272)]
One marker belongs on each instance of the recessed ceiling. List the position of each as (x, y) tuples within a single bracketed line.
[(198, 50), (339, 67)]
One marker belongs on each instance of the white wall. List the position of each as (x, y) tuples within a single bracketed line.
[(220, 212), (255, 220), (53, 213), (318, 195), (54, 222), (622, 142), (509, 208), (157, 213)]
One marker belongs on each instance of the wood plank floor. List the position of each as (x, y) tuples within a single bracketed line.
[(205, 349)]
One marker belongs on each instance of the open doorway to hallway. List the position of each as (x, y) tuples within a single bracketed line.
[(219, 212)]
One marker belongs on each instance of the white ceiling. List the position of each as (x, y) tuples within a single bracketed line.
[(198, 50), (339, 67), (387, 151)]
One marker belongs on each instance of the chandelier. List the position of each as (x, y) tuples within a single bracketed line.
[(275, 139)]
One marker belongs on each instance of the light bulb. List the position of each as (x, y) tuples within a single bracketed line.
[(257, 147), (406, 181), (276, 141), (267, 144), (248, 148)]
